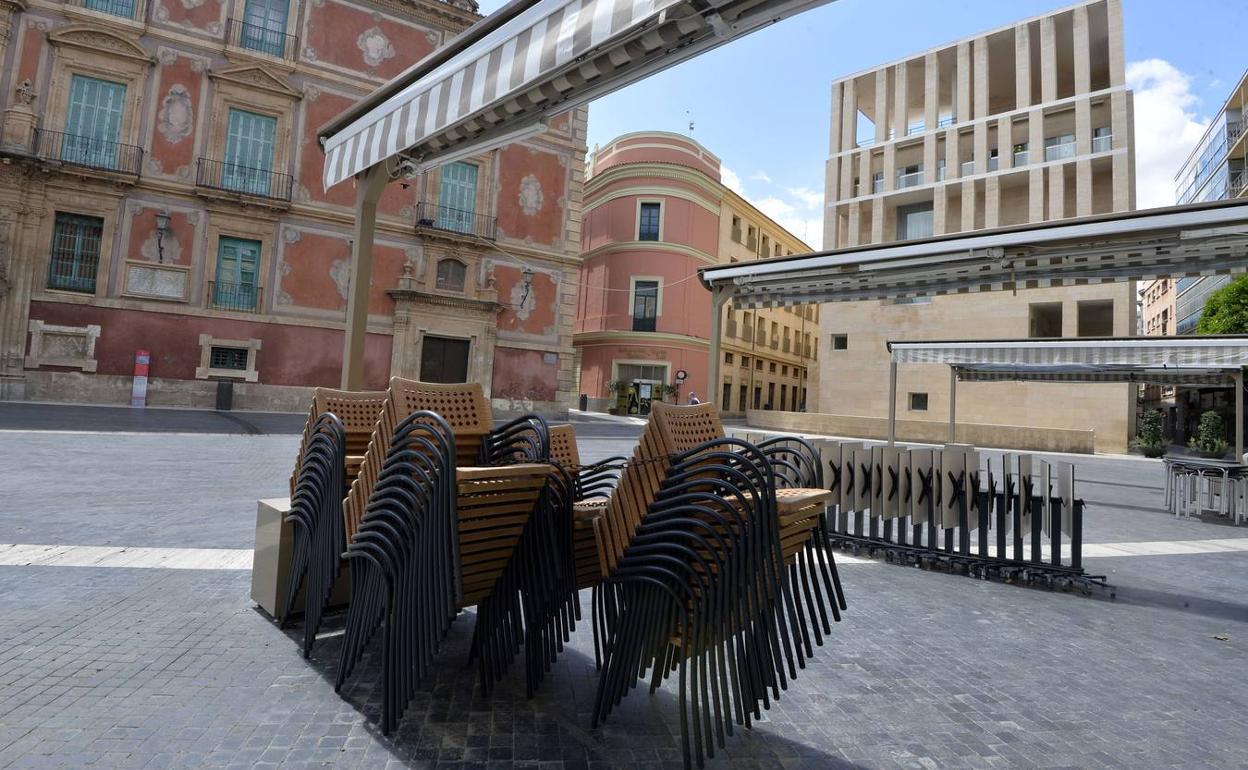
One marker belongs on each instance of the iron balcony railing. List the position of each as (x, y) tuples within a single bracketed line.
[(1238, 183), (125, 9), (231, 177), (434, 217), (254, 37), (88, 152), (239, 297)]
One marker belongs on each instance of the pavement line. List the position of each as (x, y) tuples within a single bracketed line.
[(58, 555)]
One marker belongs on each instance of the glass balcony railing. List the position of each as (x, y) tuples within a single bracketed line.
[(877, 185), (944, 121), (968, 168), (1059, 151), (1022, 158), (913, 179), (1103, 143), (993, 163)]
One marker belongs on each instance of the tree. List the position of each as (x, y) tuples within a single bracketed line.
[(1226, 310)]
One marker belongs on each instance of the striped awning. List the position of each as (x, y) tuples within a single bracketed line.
[(1153, 360), (532, 59)]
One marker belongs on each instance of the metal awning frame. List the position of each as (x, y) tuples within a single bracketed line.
[(1216, 361)]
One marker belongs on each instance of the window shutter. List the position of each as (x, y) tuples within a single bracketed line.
[(93, 121), (457, 197), (249, 152)]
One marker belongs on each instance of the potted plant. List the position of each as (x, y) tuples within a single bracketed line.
[(1149, 440), (670, 391), (615, 389), (1208, 441)]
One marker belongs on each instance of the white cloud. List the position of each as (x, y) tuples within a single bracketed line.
[(731, 180), (775, 208), (1166, 128), (812, 198), (761, 176)]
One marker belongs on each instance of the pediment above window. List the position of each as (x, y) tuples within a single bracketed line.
[(99, 40), (257, 77)]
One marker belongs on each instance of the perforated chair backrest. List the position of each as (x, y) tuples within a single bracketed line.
[(563, 446), (462, 405), (357, 410), (671, 429)]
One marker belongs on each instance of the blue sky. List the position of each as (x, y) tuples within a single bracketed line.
[(762, 103)]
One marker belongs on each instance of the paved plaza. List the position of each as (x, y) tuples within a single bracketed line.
[(160, 660)]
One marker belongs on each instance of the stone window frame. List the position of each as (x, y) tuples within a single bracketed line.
[(633, 280), (255, 89), (237, 10), (637, 218), (38, 329), (463, 287), (205, 372), (100, 54), (104, 208), (486, 182), (247, 229)]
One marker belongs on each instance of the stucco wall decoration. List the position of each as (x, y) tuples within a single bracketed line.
[(530, 195), (176, 118), (375, 46)]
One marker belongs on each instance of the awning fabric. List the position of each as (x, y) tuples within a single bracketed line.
[(1155, 360), (548, 57), (1192, 240)]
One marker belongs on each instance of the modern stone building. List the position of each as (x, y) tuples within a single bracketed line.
[(1024, 124), (160, 190), (656, 210)]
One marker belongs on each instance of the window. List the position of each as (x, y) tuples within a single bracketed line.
[(877, 182), (264, 27), (912, 300), (1020, 154), (758, 396), (771, 367), (238, 262), (840, 341), (743, 393), (1059, 147), (745, 362), (766, 249), (648, 222), (751, 238), (771, 395), (940, 170), (736, 228), (784, 394), (777, 251), (914, 221), (451, 274), (784, 370), (248, 163), (758, 364), (645, 305), (747, 326), (457, 197), (993, 162), (727, 358), (918, 402), (122, 8), (1096, 318), (93, 122), (221, 357), (75, 253), (1102, 139), (1045, 319)]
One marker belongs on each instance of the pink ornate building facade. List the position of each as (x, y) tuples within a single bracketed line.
[(656, 210), (160, 190)]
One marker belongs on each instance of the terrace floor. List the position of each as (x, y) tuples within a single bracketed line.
[(161, 660)]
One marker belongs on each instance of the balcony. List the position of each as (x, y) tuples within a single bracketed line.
[(253, 37), (86, 152), (913, 179), (124, 9), (1059, 151), (1021, 158), (238, 297), (944, 121), (1238, 183), (968, 168), (1103, 143), (231, 177), (430, 216)]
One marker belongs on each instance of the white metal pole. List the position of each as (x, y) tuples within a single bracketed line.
[(1239, 416), (892, 402), (719, 295), (953, 404), (368, 191)]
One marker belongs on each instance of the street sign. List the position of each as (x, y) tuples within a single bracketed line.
[(138, 390), (681, 375)]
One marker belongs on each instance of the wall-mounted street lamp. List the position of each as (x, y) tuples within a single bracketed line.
[(527, 276), (162, 227)]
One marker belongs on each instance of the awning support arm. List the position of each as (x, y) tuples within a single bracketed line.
[(953, 404), (892, 402)]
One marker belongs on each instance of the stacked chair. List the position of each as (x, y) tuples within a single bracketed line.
[(702, 562), (446, 513), (346, 420)]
